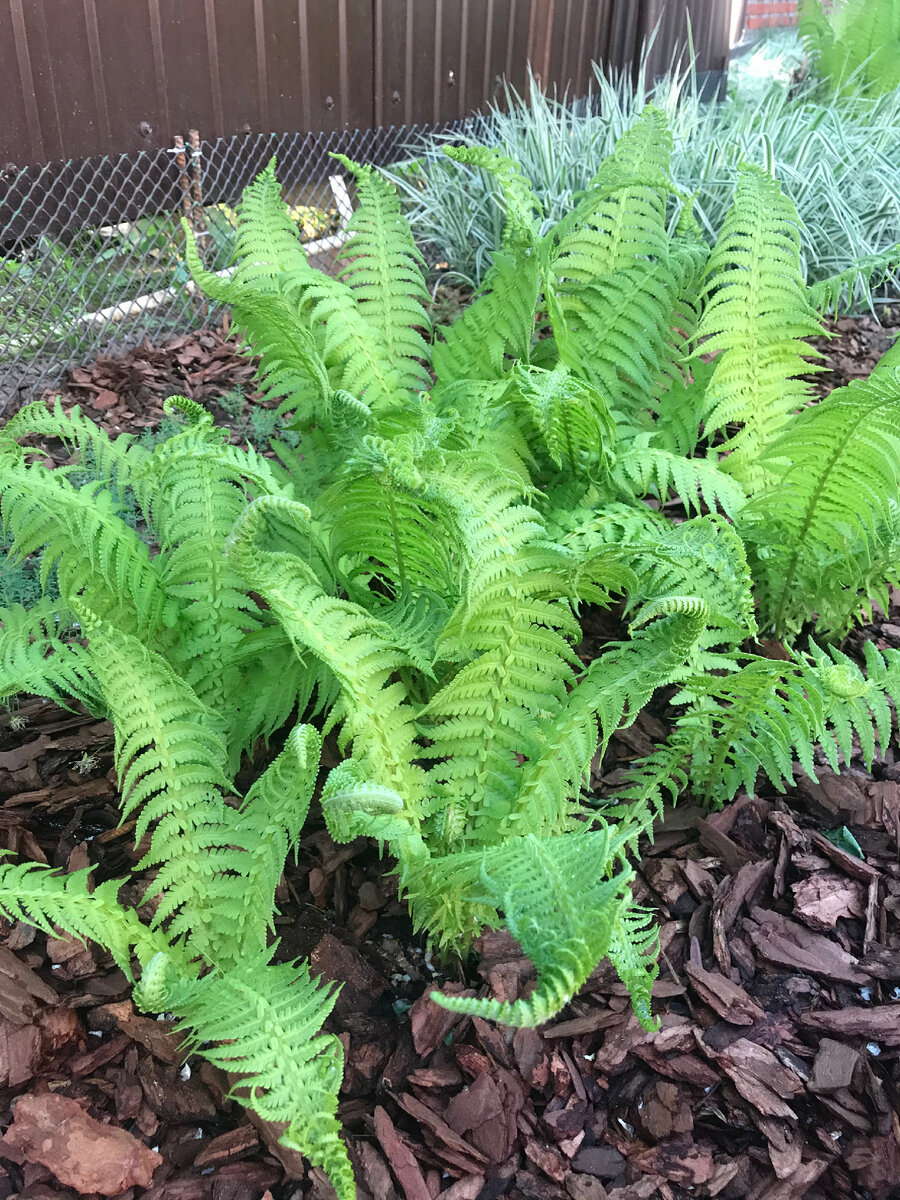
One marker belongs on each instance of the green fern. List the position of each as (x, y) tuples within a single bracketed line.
[(755, 317), (565, 919), (834, 471), (265, 1020)]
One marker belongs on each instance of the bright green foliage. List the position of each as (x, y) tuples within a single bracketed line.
[(174, 649), (411, 576), (755, 317), (859, 44), (816, 532)]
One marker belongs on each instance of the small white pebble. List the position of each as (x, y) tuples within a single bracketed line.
[(873, 1048), (95, 1033), (198, 1134), (866, 993), (835, 1134), (55, 967), (185, 1073), (155, 1149), (589, 1057)]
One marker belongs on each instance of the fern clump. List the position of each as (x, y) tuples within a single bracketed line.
[(174, 648), (618, 417)]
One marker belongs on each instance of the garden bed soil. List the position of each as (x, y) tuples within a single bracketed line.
[(774, 1074)]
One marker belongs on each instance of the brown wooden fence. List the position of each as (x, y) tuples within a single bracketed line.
[(90, 77)]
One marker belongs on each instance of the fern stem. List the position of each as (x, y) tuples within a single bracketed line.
[(398, 548)]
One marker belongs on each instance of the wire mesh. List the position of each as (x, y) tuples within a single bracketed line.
[(91, 251)]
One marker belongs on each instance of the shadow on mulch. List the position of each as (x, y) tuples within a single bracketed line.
[(774, 1074)]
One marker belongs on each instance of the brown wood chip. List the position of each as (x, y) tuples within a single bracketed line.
[(79, 1151)]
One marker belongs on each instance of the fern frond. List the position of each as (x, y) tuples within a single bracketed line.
[(613, 689), (516, 628), (610, 285), (95, 552), (47, 898), (761, 717), (378, 512), (356, 648), (621, 217), (264, 1020), (268, 828), (292, 368), (267, 243), (837, 291), (498, 323), (839, 462), (198, 500), (274, 681), (857, 702), (35, 657), (110, 460), (557, 902), (645, 469), (569, 418), (169, 760), (521, 227), (634, 952), (756, 317), (703, 557), (383, 266), (354, 806)]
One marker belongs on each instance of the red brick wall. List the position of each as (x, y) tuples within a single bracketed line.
[(763, 14)]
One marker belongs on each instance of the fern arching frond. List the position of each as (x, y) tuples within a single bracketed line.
[(292, 368), (261, 1021), (756, 317), (837, 291), (267, 244), (521, 227), (610, 284), (621, 217), (111, 461), (95, 552), (557, 901), (35, 657), (835, 465), (383, 266)]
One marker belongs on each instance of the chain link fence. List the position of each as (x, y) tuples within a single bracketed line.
[(91, 251)]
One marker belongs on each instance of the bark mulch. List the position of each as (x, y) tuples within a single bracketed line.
[(774, 1074)]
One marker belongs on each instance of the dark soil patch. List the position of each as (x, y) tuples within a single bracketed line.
[(774, 1075)]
